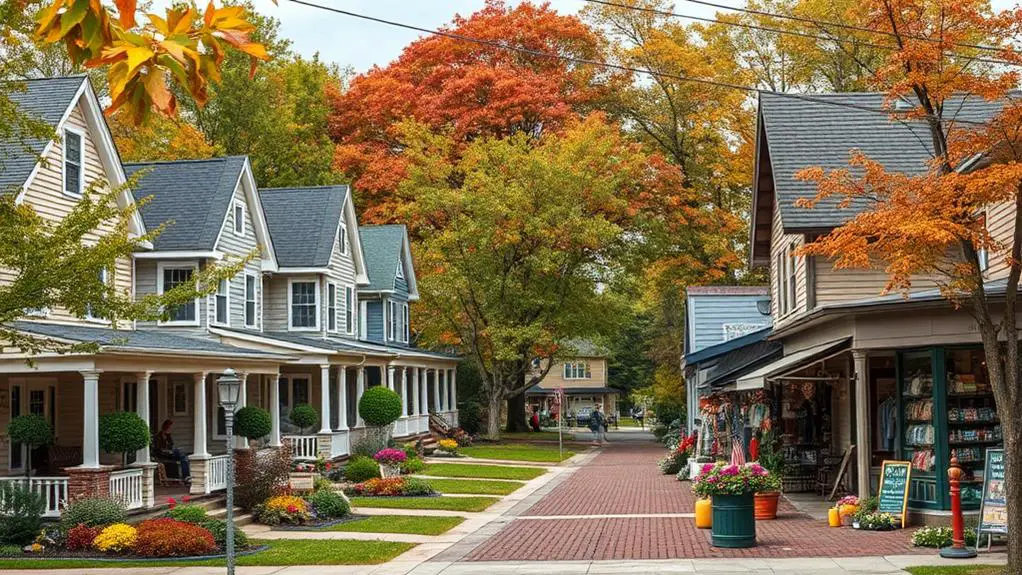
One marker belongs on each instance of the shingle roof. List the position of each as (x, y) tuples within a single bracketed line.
[(741, 361), (382, 247), (727, 346), (190, 196), (303, 223), (802, 134), (46, 99), (142, 339)]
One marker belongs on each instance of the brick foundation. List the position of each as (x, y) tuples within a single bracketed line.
[(88, 482)]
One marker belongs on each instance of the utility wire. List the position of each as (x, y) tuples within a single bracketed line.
[(610, 66), (888, 47)]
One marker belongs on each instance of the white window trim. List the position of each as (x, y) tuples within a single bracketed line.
[(342, 237), (791, 279), (350, 305), (81, 164), (213, 305), (88, 313), (406, 319), (234, 214), (160, 266), (255, 300), (27, 384), (333, 285), (290, 293), (173, 399), (572, 367), (363, 320)]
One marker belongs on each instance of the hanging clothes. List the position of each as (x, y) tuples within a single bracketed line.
[(887, 414)]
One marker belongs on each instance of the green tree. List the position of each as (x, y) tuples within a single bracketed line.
[(32, 431), (123, 432)]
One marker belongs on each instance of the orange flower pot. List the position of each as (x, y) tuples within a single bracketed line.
[(704, 513), (833, 517), (766, 505)]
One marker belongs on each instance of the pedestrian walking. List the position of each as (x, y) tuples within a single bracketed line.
[(598, 425)]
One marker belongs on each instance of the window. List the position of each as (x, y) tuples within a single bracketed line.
[(239, 219), (304, 305), (400, 271), (171, 277), (250, 300), (981, 253), (342, 237), (180, 399), (392, 320), (407, 327), (331, 307), (577, 370), (349, 310), (89, 312), (73, 160), (221, 303), (129, 395), (785, 269), (792, 265)]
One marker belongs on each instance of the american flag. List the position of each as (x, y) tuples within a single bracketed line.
[(737, 447)]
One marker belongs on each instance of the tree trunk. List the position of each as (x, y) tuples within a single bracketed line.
[(516, 416), (493, 409), (1013, 480)]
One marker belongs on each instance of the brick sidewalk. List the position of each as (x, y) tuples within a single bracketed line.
[(624, 480)]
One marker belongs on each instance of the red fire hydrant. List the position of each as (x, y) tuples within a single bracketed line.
[(958, 550)]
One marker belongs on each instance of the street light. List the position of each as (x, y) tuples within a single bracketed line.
[(228, 388)]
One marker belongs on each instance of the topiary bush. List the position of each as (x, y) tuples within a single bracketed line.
[(21, 514), (379, 406), (304, 416), (329, 504), (361, 468), (252, 422), (93, 512), (188, 513), (31, 430), (218, 529), (166, 537), (123, 432)]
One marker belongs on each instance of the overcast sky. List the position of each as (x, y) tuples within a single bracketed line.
[(348, 41)]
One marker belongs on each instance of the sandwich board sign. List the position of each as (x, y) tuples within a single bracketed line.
[(993, 511), (892, 496)]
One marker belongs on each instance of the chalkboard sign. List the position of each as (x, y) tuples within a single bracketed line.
[(892, 496), (993, 512)]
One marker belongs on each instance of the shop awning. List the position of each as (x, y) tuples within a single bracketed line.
[(789, 363)]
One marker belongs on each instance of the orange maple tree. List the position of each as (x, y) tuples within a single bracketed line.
[(932, 223), (473, 89)]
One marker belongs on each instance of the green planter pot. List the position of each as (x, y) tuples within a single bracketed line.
[(734, 521)]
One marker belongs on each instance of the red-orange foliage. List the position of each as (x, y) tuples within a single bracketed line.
[(167, 537), (472, 89)]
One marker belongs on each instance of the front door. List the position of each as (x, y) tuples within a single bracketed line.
[(32, 396), (293, 390)]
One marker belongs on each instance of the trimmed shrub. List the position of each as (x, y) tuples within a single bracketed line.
[(122, 432), (413, 466), (10, 551), (81, 537), (259, 477), (321, 483), (31, 430), (117, 538), (93, 512), (166, 537), (191, 513), (252, 422), (328, 504), (361, 468), (415, 486), (469, 417), (21, 514), (218, 528), (304, 416), (379, 406)]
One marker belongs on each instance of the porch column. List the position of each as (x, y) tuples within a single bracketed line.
[(390, 377), (342, 398), (239, 441), (199, 437), (416, 391), (450, 389), (90, 417), (142, 409), (862, 447), (404, 392), (274, 411), (324, 398), (360, 388), (436, 391), (454, 388)]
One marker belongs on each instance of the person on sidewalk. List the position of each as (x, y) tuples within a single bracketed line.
[(597, 424)]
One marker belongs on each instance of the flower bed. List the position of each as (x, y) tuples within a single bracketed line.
[(447, 448), (392, 487), (314, 509)]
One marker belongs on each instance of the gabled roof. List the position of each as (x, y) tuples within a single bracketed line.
[(47, 99), (191, 196), (303, 223), (386, 248)]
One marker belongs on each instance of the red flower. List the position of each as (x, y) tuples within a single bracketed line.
[(186, 498), (172, 502), (292, 509), (328, 466)]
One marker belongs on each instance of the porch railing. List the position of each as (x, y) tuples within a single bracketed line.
[(401, 427), (52, 489), (340, 444), (126, 486), (216, 473), (303, 447)]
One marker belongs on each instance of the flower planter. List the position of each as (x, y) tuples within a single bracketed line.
[(387, 471), (302, 481), (766, 505), (734, 521)]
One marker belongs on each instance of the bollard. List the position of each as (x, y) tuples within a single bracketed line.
[(958, 550)]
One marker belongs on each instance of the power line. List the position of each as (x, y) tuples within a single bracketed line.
[(606, 65), (828, 38)]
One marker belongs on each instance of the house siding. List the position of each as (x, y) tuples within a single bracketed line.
[(146, 282), (342, 272), (234, 246), (275, 303), (1000, 226), (844, 285), (779, 242), (555, 377), (708, 314)]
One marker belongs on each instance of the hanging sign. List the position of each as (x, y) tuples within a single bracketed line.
[(993, 511), (892, 496)]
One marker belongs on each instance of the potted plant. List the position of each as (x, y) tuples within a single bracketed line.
[(731, 488), (252, 423), (32, 431), (390, 460), (304, 416), (767, 487), (847, 507), (379, 407)]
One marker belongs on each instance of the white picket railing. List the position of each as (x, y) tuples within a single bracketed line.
[(340, 444), (401, 427), (216, 473), (303, 447), (53, 490), (126, 486)]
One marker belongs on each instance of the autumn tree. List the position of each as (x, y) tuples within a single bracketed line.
[(160, 138), (932, 223), (473, 90)]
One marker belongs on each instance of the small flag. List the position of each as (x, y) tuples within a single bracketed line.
[(737, 447)]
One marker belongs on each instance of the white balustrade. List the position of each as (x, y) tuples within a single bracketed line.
[(52, 489), (339, 444), (401, 427), (126, 486), (216, 473), (303, 447)]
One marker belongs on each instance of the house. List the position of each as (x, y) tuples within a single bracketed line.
[(288, 323), (581, 372), (897, 376)]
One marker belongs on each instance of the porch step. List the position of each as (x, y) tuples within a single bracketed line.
[(240, 517)]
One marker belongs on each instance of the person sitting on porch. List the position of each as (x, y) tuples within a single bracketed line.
[(165, 448)]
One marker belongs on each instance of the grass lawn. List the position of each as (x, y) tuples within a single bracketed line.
[(628, 422), (443, 503), (542, 435), (412, 524), (281, 552), (958, 570), (482, 471), (518, 452), (474, 487)]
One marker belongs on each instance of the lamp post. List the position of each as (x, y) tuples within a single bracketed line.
[(228, 388)]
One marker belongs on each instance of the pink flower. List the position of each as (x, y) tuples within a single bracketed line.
[(707, 468)]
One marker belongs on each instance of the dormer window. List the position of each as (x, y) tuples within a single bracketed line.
[(239, 219), (74, 158)]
